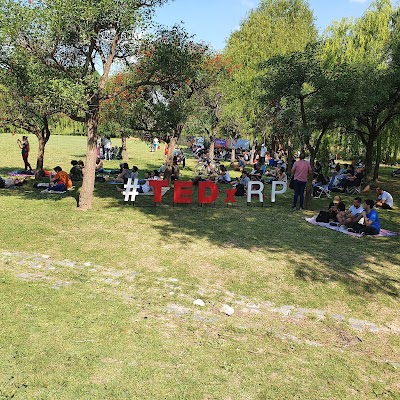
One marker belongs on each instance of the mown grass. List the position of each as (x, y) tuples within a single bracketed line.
[(117, 321)]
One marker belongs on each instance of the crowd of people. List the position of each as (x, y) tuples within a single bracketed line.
[(259, 166)]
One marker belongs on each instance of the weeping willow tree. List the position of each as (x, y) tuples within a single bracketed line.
[(370, 45), (275, 27)]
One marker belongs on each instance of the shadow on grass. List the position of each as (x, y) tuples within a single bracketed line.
[(363, 265)]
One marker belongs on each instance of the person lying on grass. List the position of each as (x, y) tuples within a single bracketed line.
[(11, 182)]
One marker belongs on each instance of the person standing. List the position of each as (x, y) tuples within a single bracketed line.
[(107, 148), (300, 171), (24, 146), (263, 153)]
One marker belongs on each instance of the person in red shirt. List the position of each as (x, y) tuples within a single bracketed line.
[(301, 170)]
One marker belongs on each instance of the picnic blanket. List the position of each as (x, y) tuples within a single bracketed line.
[(383, 232), (22, 173)]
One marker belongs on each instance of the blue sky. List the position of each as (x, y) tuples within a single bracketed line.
[(212, 21)]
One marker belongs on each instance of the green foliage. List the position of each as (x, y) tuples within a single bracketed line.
[(305, 97), (276, 27)]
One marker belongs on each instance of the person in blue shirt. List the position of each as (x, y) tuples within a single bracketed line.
[(371, 224)]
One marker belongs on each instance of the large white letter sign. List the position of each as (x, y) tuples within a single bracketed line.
[(258, 189), (131, 190), (274, 191)]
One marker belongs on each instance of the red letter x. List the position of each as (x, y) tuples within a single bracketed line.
[(230, 193)]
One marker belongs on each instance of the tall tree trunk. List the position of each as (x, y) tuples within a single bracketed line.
[(378, 158), (369, 150), (40, 156), (212, 147), (92, 121), (124, 149), (309, 189), (253, 151), (289, 163), (43, 137), (170, 158)]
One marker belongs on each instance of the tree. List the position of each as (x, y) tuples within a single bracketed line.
[(370, 44), (166, 105), (308, 99), (208, 96), (71, 37), (275, 27), (31, 95)]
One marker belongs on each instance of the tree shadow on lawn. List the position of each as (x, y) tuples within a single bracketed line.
[(363, 265)]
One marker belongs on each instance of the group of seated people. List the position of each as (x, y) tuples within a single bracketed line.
[(341, 180), (77, 171), (361, 217)]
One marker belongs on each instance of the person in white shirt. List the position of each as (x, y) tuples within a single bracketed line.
[(385, 199), (353, 214), (263, 152)]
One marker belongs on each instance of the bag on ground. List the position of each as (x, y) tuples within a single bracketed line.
[(323, 216)]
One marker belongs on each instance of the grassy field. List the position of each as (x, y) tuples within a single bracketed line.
[(99, 305)]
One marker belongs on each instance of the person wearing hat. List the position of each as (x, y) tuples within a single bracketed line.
[(335, 207)]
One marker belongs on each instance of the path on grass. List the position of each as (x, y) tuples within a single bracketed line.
[(171, 298)]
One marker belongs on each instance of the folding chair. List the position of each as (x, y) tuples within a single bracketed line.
[(324, 190), (355, 189)]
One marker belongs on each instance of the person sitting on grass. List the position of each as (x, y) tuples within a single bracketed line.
[(81, 165), (175, 170), (99, 165), (335, 207), (135, 173), (76, 172), (371, 224), (60, 182), (124, 173), (384, 200), (282, 177), (353, 214), (224, 176), (242, 163)]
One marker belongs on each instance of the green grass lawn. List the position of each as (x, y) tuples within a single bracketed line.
[(99, 304)]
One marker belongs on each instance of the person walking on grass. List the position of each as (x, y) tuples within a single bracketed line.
[(300, 171), (24, 146)]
